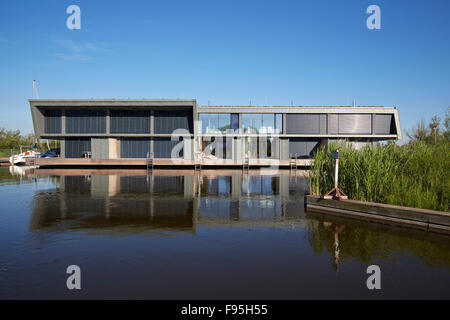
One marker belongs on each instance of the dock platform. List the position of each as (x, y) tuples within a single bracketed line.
[(424, 219), (142, 162)]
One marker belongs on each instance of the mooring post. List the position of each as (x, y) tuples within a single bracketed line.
[(336, 168), (336, 193)]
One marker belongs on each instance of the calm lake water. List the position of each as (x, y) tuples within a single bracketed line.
[(217, 235)]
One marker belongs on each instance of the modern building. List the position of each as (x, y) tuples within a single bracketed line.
[(167, 129)]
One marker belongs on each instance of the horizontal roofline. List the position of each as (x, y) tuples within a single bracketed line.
[(241, 106), (107, 100)]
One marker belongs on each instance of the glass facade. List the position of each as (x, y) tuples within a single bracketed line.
[(262, 123), (235, 121), (218, 122), (219, 147)]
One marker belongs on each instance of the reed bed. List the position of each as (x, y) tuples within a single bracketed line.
[(414, 175)]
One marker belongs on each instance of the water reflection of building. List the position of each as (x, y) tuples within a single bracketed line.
[(178, 203)]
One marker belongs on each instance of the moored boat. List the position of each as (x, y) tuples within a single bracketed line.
[(21, 158)]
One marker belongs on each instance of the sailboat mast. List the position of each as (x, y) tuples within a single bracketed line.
[(35, 92)]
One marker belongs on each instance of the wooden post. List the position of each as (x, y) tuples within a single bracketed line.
[(336, 170), (336, 193)]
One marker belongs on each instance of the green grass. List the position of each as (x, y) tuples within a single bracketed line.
[(5, 153), (414, 175)]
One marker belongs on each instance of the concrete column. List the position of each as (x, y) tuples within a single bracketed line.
[(113, 148), (239, 149), (100, 148), (275, 148), (152, 122), (328, 124), (188, 151), (152, 131), (374, 119), (229, 147), (108, 122), (63, 121), (62, 148), (284, 149)]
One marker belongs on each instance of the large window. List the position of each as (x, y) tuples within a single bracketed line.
[(235, 121), (219, 147), (262, 123), (217, 122)]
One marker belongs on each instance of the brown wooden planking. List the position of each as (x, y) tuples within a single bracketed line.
[(162, 162), (43, 171), (431, 220)]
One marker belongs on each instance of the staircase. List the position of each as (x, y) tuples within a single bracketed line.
[(198, 161), (293, 162), (149, 162), (246, 163)]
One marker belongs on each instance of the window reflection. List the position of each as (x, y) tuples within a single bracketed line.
[(251, 122), (262, 123), (215, 122)]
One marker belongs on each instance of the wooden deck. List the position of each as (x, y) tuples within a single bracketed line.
[(429, 220), (45, 171), (82, 162)]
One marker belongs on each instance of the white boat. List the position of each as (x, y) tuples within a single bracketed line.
[(21, 158)]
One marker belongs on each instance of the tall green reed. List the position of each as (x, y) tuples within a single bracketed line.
[(415, 175)]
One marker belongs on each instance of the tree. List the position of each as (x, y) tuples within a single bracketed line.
[(434, 127), (419, 132), (447, 125)]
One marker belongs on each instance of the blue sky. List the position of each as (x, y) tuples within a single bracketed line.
[(228, 52)]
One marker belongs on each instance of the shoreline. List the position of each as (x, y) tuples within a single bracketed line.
[(423, 219)]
